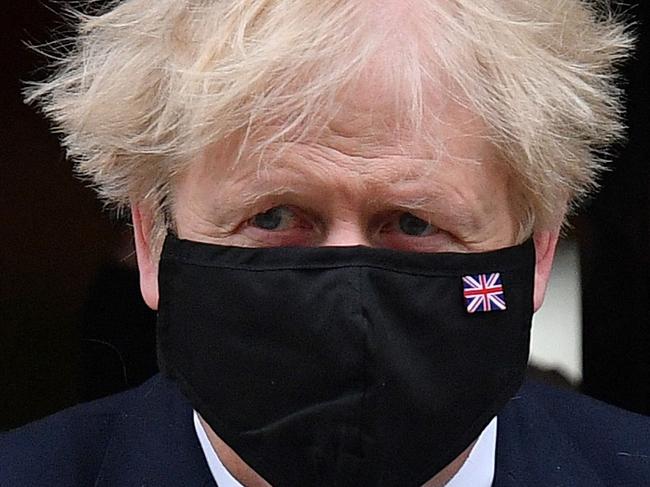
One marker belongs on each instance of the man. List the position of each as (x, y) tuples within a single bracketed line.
[(345, 214)]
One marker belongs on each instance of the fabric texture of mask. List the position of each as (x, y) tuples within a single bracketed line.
[(342, 366)]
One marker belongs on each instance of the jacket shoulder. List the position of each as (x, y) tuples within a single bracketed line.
[(66, 448), (592, 423), (555, 437)]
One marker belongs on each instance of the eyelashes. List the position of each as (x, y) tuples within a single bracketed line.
[(414, 226), (284, 218), (276, 218)]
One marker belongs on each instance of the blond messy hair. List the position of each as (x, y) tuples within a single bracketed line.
[(144, 87)]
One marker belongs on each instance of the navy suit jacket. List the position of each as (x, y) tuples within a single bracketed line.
[(146, 437)]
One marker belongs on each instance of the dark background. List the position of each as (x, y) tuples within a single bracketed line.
[(72, 325)]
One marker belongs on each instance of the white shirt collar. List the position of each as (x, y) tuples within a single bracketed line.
[(477, 471)]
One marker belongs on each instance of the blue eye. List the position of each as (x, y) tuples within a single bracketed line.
[(414, 226), (273, 219)]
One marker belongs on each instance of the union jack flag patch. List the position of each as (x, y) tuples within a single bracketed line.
[(483, 293)]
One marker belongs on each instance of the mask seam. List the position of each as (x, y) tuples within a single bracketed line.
[(361, 420), (366, 361)]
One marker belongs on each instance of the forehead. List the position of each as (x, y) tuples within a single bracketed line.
[(368, 126), (363, 152), (368, 137)]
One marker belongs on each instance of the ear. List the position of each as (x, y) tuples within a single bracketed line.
[(147, 262), (545, 243)]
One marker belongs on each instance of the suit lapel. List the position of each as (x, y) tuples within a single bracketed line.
[(154, 443)]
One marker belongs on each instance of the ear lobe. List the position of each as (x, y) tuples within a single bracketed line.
[(147, 262), (545, 244)]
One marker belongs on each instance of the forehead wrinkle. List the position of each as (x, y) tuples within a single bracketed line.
[(372, 146), (313, 165), (290, 178), (305, 176), (318, 166)]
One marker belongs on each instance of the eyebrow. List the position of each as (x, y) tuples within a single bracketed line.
[(252, 198)]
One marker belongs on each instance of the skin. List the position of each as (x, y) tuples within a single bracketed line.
[(356, 183)]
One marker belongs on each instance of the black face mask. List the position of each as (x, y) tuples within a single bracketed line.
[(344, 366)]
